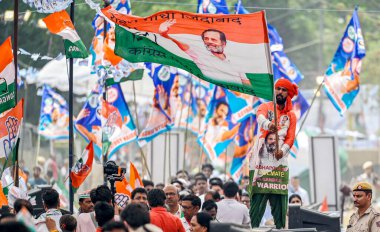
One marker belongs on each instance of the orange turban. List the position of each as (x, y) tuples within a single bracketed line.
[(292, 91)]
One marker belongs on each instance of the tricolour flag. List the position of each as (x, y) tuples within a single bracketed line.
[(10, 123), (54, 115), (294, 150), (60, 23), (7, 76), (82, 167), (235, 60), (134, 177), (212, 7), (342, 79)]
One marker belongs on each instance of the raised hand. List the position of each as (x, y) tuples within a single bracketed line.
[(164, 27)]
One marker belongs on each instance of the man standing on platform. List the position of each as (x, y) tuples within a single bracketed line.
[(366, 218), (269, 181)]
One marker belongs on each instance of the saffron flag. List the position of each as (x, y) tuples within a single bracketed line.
[(7, 77), (60, 23), (165, 100), (83, 167), (341, 82), (134, 177), (219, 130), (123, 192), (10, 123), (212, 7), (54, 115), (3, 198), (237, 61)]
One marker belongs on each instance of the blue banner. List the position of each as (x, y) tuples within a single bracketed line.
[(239, 8), (342, 79), (165, 102), (202, 93), (300, 105), (212, 7), (54, 115)]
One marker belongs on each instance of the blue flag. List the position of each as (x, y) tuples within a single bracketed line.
[(300, 106), (212, 7), (239, 8), (54, 115), (342, 79), (165, 102), (202, 93)]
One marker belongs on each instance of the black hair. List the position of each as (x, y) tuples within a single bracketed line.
[(19, 203), (109, 226), (51, 198), (209, 205), (101, 193), (295, 195), (216, 181), (178, 182), (221, 35), (198, 178), (135, 215), (138, 190), (215, 195), (204, 219), (210, 165), (104, 212), (156, 197), (195, 201), (160, 185), (7, 215), (230, 189), (182, 171), (244, 194), (14, 226), (216, 107), (69, 222), (147, 182)]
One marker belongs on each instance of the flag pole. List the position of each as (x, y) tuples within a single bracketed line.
[(145, 165), (15, 40), (275, 119), (71, 124), (165, 157), (187, 126)]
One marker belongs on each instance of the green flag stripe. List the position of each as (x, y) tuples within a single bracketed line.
[(75, 50), (7, 96), (134, 76)]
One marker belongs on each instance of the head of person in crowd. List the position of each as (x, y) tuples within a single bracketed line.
[(190, 204), (201, 185), (245, 199), (178, 184), (101, 193), (192, 188), (67, 223), (156, 198), (85, 203), (244, 182), (36, 172), (114, 227), (212, 195), (295, 182), (135, 216), (104, 213), (7, 217), (50, 198), (230, 189), (295, 199), (207, 169), (182, 174), (368, 167), (200, 222), (172, 198), (20, 203), (13, 226), (362, 193), (216, 184), (211, 208), (139, 195), (160, 186), (148, 185)]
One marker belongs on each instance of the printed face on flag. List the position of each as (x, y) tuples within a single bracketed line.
[(210, 47), (342, 79)]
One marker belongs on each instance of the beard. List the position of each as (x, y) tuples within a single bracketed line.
[(271, 148), (215, 49), (280, 99)]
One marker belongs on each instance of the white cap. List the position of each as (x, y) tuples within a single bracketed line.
[(367, 164)]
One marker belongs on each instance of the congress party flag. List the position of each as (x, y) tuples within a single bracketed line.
[(7, 76), (123, 192), (48, 6), (212, 7), (219, 130), (82, 167), (118, 128), (54, 115), (235, 60), (60, 23), (342, 79), (88, 123), (294, 150), (243, 145), (165, 102), (10, 123)]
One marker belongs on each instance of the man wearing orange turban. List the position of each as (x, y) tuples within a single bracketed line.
[(269, 173)]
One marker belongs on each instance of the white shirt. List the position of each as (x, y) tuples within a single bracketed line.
[(232, 211), (54, 214), (303, 194)]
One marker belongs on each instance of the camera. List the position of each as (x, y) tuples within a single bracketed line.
[(114, 171)]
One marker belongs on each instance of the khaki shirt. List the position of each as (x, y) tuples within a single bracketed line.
[(368, 222)]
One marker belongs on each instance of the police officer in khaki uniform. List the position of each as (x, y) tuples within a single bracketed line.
[(366, 218)]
